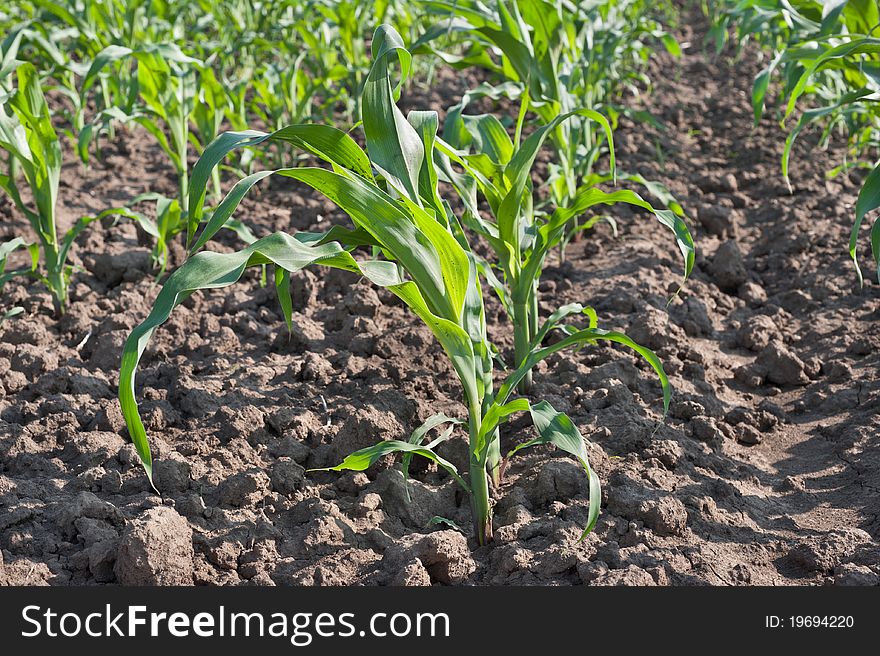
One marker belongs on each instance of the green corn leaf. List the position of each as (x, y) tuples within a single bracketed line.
[(557, 429), (553, 321), (418, 437), (436, 519), (6, 249), (392, 142), (107, 56), (657, 189), (577, 340), (363, 458), (875, 244), (867, 202), (330, 144), (206, 271), (36, 146), (518, 172), (426, 125), (811, 116), (8, 314), (223, 212), (761, 84), (588, 197), (858, 46), (496, 414), (489, 137)]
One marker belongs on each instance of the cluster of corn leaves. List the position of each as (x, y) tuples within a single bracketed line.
[(556, 57), (281, 62), (421, 253), (826, 53), (562, 62)]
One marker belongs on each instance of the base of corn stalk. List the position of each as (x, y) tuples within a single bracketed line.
[(481, 504), (58, 287)]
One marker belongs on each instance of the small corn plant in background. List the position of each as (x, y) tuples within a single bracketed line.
[(521, 236), (34, 156), (555, 60), (425, 260), (829, 52), (30, 141), (170, 91)]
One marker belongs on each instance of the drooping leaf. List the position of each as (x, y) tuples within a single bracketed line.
[(558, 429)]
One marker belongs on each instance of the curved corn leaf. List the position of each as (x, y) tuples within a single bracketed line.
[(392, 142), (326, 142), (868, 201), (591, 196), (6, 249), (761, 84), (208, 270), (858, 46), (426, 125), (8, 314), (495, 415), (553, 321), (363, 458), (812, 115), (418, 436), (558, 429), (579, 339)]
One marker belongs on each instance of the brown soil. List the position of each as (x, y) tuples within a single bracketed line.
[(766, 471)]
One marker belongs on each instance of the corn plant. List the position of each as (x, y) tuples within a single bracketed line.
[(828, 52), (66, 35), (170, 92), (424, 259), (520, 236), (34, 155), (555, 58), (31, 144)]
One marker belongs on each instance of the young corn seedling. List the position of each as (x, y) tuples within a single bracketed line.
[(425, 260), (68, 34), (34, 155), (521, 237), (169, 92)]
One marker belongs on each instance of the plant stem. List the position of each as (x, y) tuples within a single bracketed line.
[(521, 341), (184, 190), (183, 119), (493, 458), (481, 507), (55, 279)]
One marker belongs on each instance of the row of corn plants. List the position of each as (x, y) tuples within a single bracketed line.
[(827, 55), (120, 63), (406, 238), (567, 67)]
